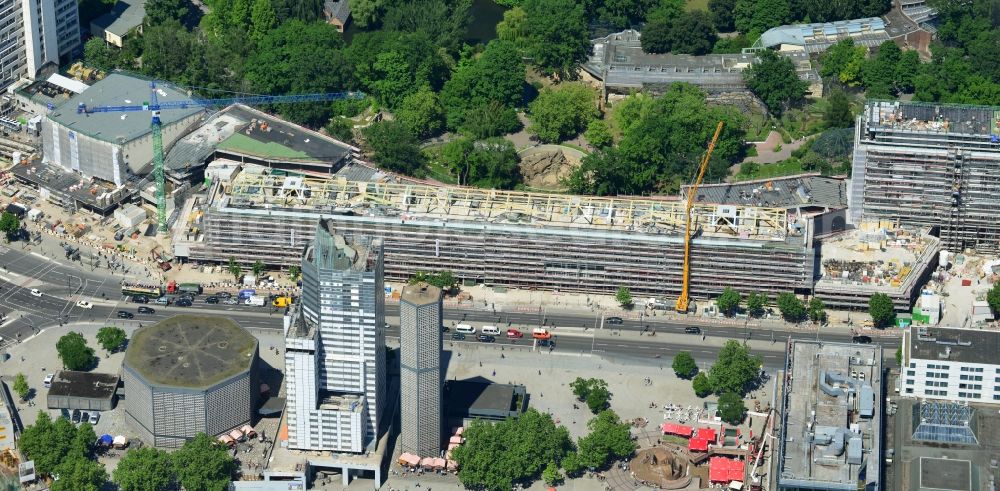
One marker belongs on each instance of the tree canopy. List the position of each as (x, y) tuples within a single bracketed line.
[(74, 352), (145, 469), (593, 391), (689, 33), (993, 297), (773, 79), (756, 302), (9, 225), (562, 113), (490, 163), (497, 455), (394, 147), (731, 408), (881, 309), (203, 463), (480, 97), (791, 307), (558, 39), (728, 302), (111, 338), (735, 370), (609, 439), (684, 365), (54, 443)]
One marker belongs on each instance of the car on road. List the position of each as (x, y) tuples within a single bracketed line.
[(94, 417), (546, 343), (224, 295), (183, 302), (614, 321), (146, 310), (692, 330), (83, 304), (124, 314), (230, 301), (486, 338), (457, 336), (163, 300), (212, 300), (862, 340), (514, 334), (35, 292), (140, 299), (48, 380), (75, 417), (541, 333)]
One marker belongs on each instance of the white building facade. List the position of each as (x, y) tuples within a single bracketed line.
[(35, 33), (334, 346), (951, 364)]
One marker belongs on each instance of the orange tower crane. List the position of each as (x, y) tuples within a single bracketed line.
[(682, 301)]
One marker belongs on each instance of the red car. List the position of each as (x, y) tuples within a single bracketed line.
[(514, 333)]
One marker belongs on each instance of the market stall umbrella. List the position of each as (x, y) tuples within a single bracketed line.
[(106, 440)]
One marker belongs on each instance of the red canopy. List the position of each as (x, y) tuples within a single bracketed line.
[(698, 445), (676, 429), (725, 470), (707, 434)]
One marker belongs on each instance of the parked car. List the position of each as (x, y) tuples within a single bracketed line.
[(83, 304), (230, 301), (124, 314), (140, 299), (75, 417), (514, 334), (457, 336), (183, 302), (48, 380), (692, 330), (163, 300), (615, 321), (212, 300), (862, 340), (541, 333), (95, 417), (64, 413), (146, 310), (486, 338), (85, 417), (35, 292)]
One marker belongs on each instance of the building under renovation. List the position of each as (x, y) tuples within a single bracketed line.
[(505, 238), (930, 165)]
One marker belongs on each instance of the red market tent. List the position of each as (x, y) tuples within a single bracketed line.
[(706, 434), (723, 470), (676, 429), (698, 445)]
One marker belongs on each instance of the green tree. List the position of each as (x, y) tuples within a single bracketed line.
[(608, 439), (728, 302), (684, 365), (791, 307), (899, 356), (597, 399), (594, 392), (993, 297), (421, 113), (817, 311), (735, 370), (21, 386), (513, 28), (657, 36), (145, 469), (366, 12), (624, 296), (496, 455), (731, 408), (203, 463), (445, 21), (84, 442), (881, 309), (294, 272), (631, 110), (598, 134), (773, 79), (558, 39), (907, 69), (844, 61), (98, 54), (394, 147), (722, 14), (702, 387), (262, 20), (162, 11), (234, 269), (551, 474), (9, 225), (480, 97), (572, 465), (43, 442), (78, 473), (755, 304), (111, 338), (878, 74), (693, 33), (838, 110), (562, 113), (444, 280), (258, 269), (74, 352), (757, 16)]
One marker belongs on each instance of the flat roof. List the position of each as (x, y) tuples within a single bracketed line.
[(472, 397), (94, 193), (954, 344), (281, 140), (68, 383), (787, 192), (195, 148), (191, 351), (118, 89), (945, 474), (420, 294), (933, 117), (123, 17)]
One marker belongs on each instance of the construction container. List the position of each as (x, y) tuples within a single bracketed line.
[(966, 282)]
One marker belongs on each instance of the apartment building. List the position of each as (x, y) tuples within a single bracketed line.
[(34, 33), (334, 356), (951, 364), (929, 165)]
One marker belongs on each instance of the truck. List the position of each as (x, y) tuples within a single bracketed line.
[(255, 301), (174, 287), (246, 293), (281, 302)]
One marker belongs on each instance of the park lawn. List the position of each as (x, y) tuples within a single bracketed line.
[(758, 127), (696, 5), (766, 171)]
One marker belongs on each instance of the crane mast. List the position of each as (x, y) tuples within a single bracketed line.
[(683, 299)]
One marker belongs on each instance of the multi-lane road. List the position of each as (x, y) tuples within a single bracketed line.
[(63, 285)]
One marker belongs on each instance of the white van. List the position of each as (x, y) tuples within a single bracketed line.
[(465, 329), (255, 301), (491, 330)]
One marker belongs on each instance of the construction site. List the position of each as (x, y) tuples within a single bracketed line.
[(502, 238), (929, 165)]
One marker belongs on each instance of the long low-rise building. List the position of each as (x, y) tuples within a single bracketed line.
[(502, 238)]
